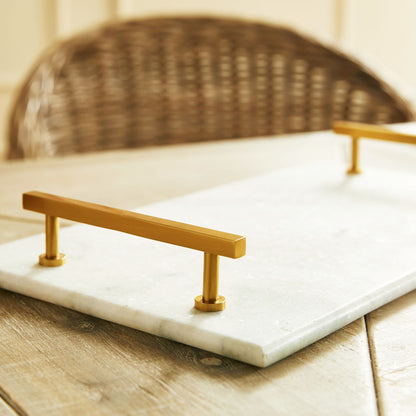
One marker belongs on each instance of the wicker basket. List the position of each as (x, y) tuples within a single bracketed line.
[(170, 80)]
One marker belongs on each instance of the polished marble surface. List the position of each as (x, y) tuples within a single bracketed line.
[(323, 248)]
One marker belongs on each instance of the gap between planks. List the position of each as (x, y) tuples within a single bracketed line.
[(8, 407), (371, 351)]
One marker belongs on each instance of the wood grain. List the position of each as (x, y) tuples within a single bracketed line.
[(13, 229), (392, 336), (59, 362)]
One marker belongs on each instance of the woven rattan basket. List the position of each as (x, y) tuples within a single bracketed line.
[(170, 80)]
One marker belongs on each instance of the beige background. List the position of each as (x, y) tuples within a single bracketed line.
[(380, 31)]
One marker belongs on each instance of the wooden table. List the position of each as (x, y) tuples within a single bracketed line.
[(54, 361)]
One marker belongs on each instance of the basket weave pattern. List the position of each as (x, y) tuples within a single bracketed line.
[(171, 80)]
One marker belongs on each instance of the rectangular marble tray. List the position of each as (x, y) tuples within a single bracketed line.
[(323, 248)]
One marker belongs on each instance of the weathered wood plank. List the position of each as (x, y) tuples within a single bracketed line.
[(393, 343), (59, 362), (130, 178), (14, 229)]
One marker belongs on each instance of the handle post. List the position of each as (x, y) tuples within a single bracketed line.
[(360, 130), (354, 169), (210, 301), (210, 285), (52, 256)]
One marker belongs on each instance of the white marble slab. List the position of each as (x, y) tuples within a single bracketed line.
[(323, 249)]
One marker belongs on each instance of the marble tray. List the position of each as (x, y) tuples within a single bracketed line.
[(323, 248)]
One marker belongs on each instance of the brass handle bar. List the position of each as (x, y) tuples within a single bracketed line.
[(369, 131), (213, 243)]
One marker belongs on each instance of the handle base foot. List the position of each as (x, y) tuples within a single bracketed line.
[(354, 171), (59, 260), (218, 305)]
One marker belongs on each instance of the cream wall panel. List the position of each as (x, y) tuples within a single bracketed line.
[(76, 15), (384, 31), (316, 17), (26, 28), (5, 100)]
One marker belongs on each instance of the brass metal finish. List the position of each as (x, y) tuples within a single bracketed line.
[(172, 232), (354, 169), (52, 235), (59, 260), (52, 257), (213, 243), (209, 300), (360, 130), (211, 264), (218, 306)]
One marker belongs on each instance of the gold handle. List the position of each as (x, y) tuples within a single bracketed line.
[(213, 243), (359, 130)]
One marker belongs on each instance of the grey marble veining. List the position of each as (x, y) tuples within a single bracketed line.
[(323, 248)]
